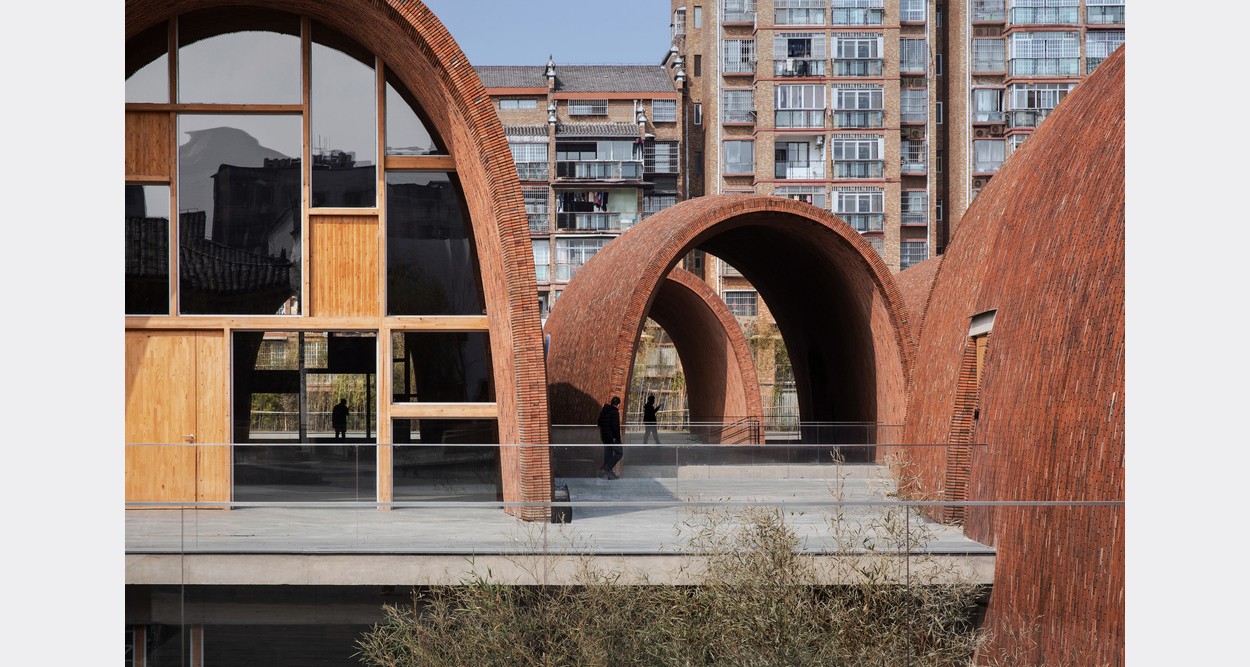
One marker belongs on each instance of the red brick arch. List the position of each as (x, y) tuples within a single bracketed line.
[(415, 46), (712, 348), (839, 312)]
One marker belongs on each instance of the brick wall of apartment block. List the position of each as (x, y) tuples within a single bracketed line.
[(1043, 245)]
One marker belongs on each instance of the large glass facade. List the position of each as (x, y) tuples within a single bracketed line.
[(239, 55), (344, 116), (147, 66), (451, 459), (441, 366), (406, 134), (431, 265)]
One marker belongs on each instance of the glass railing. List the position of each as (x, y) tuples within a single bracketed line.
[(914, 166), (1044, 15), (799, 15), (979, 116), (598, 221), (920, 218), (858, 169), (799, 170), (857, 15), (852, 119), (1104, 15), (799, 67), (1044, 66), (991, 64), (911, 116), (864, 67), (864, 222), (600, 169), (1026, 117), (738, 115), (986, 166)]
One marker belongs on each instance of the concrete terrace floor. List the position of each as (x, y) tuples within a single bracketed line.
[(350, 544)]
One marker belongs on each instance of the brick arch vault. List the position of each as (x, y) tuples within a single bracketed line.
[(839, 311), (418, 50)]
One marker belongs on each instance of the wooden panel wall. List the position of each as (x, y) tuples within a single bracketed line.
[(212, 396), (160, 409), (149, 149), (345, 273)]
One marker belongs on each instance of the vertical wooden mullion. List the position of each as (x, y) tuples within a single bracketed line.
[(385, 454), (381, 201), (306, 169), (173, 233)]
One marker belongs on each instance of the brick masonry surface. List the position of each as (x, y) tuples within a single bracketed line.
[(1044, 245)]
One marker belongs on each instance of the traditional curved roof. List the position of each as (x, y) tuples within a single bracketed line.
[(1043, 245), (842, 318), (420, 53)]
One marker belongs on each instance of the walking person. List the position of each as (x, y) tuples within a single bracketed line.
[(338, 418), (649, 420), (610, 434)]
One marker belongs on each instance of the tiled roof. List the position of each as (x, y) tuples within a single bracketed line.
[(596, 130), (525, 131), (580, 78), (512, 76)]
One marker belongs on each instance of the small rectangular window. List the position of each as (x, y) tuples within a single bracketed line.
[(698, 65), (513, 104), (937, 63), (664, 111), (698, 16), (938, 114), (698, 113), (588, 107)]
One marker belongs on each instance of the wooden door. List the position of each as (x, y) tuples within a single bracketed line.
[(175, 417)]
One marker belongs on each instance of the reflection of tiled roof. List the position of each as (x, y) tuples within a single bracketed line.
[(580, 78), (512, 76), (596, 130), (147, 248)]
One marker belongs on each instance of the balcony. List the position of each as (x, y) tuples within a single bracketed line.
[(912, 66), (597, 221), (864, 222), (913, 115), (799, 67), (799, 12), (540, 223), (989, 11), (1104, 15), (542, 272), (987, 116), (814, 118), (915, 219), (799, 170), (733, 15), (859, 169), (854, 119), (532, 171), (866, 67), (602, 170), (1091, 62), (738, 116), (1045, 66), (737, 66), (1044, 15), (857, 16), (914, 158), (986, 166), (1026, 117)]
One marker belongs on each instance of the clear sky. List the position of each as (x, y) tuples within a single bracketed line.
[(574, 32)]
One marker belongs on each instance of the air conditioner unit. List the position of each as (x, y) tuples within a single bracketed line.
[(980, 133), (978, 183), (915, 132), (996, 130)]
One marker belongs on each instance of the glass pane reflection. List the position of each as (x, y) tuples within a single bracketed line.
[(431, 262), (147, 66), (344, 122), (239, 55), (434, 459), (441, 367), (406, 134), (147, 249), (239, 214)]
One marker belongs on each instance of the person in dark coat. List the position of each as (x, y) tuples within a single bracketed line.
[(649, 420), (338, 418), (610, 434)]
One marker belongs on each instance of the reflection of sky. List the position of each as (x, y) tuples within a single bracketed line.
[(150, 83), (241, 68), (275, 132), (156, 201), (343, 112)]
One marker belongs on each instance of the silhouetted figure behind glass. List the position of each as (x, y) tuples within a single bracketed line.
[(338, 417), (610, 434), (649, 412)]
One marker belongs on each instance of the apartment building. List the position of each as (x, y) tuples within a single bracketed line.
[(892, 114), (597, 149)]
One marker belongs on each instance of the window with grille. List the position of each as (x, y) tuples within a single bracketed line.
[(912, 55), (528, 152), (987, 105), (654, 203), (988, 155), (738, 55), (858, 156), (877, 244), (588, 107), (664, 111), (739, 157), (738, 106), (911, 11), (572, 254), (861, 208), (742, 303), (660, 157), (542, 259), (858, 47), (1043, 12), (738, 11), (1103, 12), (911, 253), (858, 105), (1044, 53), (512, 104), (915, 207), (800, 105), (914, 156), (913, 105), (799, 54), (989, 55), (857, 12), (536, 208), (811, 195), (799, 12), (1099, 45)]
